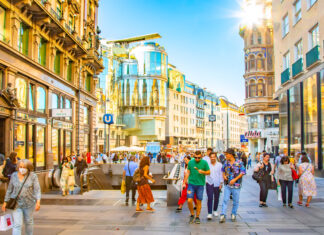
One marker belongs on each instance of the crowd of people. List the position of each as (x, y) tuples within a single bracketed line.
[(216, 172)]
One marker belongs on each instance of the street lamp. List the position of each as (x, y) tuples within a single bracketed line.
[(227, 129), (212, 119)]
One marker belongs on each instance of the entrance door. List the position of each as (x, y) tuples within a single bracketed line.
[(2, 136)]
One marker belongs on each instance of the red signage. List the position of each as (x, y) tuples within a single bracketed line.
[(253, 134)]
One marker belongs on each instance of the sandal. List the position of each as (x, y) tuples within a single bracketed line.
[(300, 203), (307, 205), (140, 210), (150, 209)]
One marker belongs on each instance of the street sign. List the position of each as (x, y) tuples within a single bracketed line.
[(108, 119), (212, 118), (243, 139), (61, 112)]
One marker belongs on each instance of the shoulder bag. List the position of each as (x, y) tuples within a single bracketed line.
[(258, 175), (12, 203)]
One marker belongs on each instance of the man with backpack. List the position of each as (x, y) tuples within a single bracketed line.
[(128, 174)]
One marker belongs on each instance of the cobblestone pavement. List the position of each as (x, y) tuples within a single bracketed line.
[(104, 212)]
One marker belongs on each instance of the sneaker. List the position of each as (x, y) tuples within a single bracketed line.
[(191, 220), (222, 219), (265, 205), (178, 210), (260, 205), (291, 206), (197, 220), (215, 213), (233, 218), (209, 216)]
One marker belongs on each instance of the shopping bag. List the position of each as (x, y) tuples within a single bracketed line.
[(279, 193), (6, 222), (123, 187)]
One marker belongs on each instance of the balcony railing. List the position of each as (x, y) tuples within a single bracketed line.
[(312, 56), (297, 67), (285, 76), (68, 27), (57, 15)]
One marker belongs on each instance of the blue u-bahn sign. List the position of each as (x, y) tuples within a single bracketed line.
[(108, 118)]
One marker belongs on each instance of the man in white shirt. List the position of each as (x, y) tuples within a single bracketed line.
[(206, 157), (214, 183)]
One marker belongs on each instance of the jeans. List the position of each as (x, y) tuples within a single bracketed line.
[(23, 214), (195, 189), (263, 190), (236, 198), (285, 184), (130, 186), (212, 195)]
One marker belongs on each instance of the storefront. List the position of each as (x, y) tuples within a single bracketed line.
[(301, 118)]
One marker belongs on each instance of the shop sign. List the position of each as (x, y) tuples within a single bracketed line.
[(243, 139), (64, 125), (253, 134), (61, 112)]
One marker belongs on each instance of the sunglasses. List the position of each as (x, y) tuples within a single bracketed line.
[(197, 157)]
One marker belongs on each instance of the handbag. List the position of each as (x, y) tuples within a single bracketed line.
[(294, 174), (258, 175), (273, 183), (12, 203)]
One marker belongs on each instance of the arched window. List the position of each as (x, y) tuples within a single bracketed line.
[(252, 86), (260, 88), (251, 62), (260, 62)]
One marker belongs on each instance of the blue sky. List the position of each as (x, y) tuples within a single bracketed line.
[(200, 37)]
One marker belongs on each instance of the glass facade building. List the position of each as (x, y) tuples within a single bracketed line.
[(301, 118)]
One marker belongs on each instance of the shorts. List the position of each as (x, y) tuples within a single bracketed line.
[(195, 189)]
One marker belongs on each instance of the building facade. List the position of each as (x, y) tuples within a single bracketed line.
[(48, 63), (261, 108), (299, 80)]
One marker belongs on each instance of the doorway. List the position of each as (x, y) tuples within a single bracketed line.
[(2, 136)]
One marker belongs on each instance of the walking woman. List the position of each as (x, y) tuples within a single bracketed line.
[(307, 184), (10, 165), (286, 181), (145, 195), (29, 197), (67, 177), (268, 171), (183, 197)]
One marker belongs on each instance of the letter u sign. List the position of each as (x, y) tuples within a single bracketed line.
[(108, 119)]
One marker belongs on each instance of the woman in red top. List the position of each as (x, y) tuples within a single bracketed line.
[(145, 195)]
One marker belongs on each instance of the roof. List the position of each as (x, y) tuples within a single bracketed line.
[(136, 39)]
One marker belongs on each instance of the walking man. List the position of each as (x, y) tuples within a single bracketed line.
[(206, 157), (128, 172), (213, 185), (196, 179), (233, 170)]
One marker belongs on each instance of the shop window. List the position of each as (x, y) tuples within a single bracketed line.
[(55, 145), (57, 62), (69, 71), (295, 118), (42, 52), (283, 122), (23, 39), (40, 146), (20, 140), (68, 106), (41, 100), (31, 143), (68, 143), (87, 84), (21, 86), (31, 94), (2, 23), (61, 102), (310, 118)]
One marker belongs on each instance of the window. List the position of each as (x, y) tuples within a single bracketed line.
[(90, 41), (42, 52), (72, 22), (297, 10), (23, 38), (260, 88), (299, 50), (1, 79), (87, 83), (85, 115), (285, 25), (69, 71), (41, 99), (252, 88), (286, 60), (314, 37), (20, 139), (259, 38), (252, 62), (57, 62), (40, 146), (59, 8), (260, 62), (31, 97), (311, 3), (55, 101), (2, 23), (252, 39), (21, 86)]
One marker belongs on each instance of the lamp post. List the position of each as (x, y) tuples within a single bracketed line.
[(212, 119)]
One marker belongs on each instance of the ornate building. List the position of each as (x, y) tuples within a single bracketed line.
[(48, 63), (261, 108)]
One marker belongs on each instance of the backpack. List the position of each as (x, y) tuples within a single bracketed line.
[(137, 176)]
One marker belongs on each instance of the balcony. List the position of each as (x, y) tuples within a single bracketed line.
[(57, 15), (68, 27), (312, 56), (297, 67), (285, 76)]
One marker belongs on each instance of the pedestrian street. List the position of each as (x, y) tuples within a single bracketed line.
[(104, 212)]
